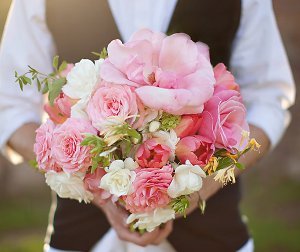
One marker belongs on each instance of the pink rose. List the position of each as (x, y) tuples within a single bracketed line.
[(61, 109), (171, 73), (42, 147), (111, 100), (66, 145), (150, 189), (152, 154), (188, 126), (196, 149), (92, 183), (224, 79), (225, 114)]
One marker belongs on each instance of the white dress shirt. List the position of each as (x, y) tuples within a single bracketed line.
[(258, 61)]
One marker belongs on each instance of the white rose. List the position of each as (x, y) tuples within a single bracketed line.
[(119, 177), (151, 220), (81, 80), (187, 179), (68, 185)]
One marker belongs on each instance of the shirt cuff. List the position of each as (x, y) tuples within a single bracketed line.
[(271, 119)]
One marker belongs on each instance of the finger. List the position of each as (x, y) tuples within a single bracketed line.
[(141, 240), (164, 233)]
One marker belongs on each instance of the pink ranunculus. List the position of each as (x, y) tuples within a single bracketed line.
[(170, 73), (42, 147), (67, 70), (188, 126), (66, 145), (224, 79), (61, 109), (92, 183), (149, 189), (111, 100), (225, 114), (198, 150), (152, 154)]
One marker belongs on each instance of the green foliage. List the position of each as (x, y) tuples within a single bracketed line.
[(224, 162), (51, 83), (55, 89), (202, 205), (180, 205), (169, 121), (98, 146), (102, 55), (33, 163)]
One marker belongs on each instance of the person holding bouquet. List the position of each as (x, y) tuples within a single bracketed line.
[(241, 34)]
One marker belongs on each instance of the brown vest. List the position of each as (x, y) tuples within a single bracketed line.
[(81, 27)]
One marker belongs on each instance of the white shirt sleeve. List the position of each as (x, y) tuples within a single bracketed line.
[(26, 41), (261, 67)]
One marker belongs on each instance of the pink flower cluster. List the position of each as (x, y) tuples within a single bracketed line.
[(140, 80)]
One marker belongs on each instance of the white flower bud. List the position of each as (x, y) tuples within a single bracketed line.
[(154, 126)]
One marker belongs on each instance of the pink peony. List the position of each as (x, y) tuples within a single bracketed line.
[(92, 183), (196, 149), (188, 126), (224, 79), (171, 73), (61, 109), (66, 145), (42, 147), (150, 189), (225, 114), (152, 154), (111, 100)]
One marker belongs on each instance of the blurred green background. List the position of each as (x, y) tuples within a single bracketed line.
[(271, 189)]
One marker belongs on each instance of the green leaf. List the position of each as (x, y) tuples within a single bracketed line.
[(55, 89), (180, 205), (33, 163), (55, 62), (224, 162), (20, 84), (62, 66), (220, 153), (103, 54), (39, 85), (202, 205), (240, 166)]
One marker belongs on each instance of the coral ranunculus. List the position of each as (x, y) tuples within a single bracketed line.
[(171, 73), (188, 126), (61, 109), (150, 189), (152, 154), (196, 149)]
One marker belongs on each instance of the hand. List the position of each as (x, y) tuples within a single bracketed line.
[(117, 216)]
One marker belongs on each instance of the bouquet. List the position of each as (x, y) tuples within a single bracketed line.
[(143, 125)]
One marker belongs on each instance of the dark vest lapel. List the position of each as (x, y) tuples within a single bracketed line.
[(213, 22), (80, 27)]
